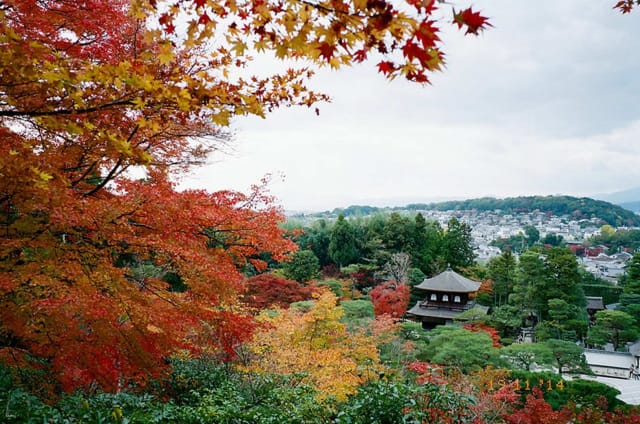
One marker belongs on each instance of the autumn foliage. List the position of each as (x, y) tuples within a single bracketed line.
[(626, 6), (74, 293), (537, 411), (495, 336), (105, 268), (406, 34), (103, 275), (267, 290), (108, 272), (390, 297), (316, 346)]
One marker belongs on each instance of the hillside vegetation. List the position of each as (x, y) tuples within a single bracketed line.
[(577, 207)]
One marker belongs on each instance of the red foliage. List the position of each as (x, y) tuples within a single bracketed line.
[(267, 290), (537, 411), (67, 302), (363, 278), (390, 298), (386, 67), (599, 413), (486, 286), (486, 328), (85, 247), (626, 6), (427, 372), (474, 21)]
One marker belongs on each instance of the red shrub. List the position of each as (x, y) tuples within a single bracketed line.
[(267, 290), (390, 298), (486, 328)]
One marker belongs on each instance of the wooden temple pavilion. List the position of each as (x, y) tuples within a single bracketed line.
[(448, 294)]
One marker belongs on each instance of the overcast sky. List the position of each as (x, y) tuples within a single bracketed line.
[(545, 102)]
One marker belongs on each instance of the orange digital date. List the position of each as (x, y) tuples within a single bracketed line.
[(526, 385)]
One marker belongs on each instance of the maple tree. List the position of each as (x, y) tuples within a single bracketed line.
[(317, 346), (537, 410), (103, 274), (87, 251), (267, 290), (390, 297)]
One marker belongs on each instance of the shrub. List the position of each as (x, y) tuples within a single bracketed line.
[(334, 285)]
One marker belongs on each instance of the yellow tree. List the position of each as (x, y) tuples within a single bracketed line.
[(315, 345)]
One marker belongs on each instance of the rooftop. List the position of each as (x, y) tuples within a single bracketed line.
[(449, 281), (594, 302)]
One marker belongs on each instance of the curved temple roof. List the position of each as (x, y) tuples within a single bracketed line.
[(449, 281)]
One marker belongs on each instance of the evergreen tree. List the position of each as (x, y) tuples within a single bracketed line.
[(548, 274), (631, 279), (416, 276), (568, 356), (533, 235), (563, 278), (530, 274), (302, 267), (615, 327), (427, 245), (630, 303), (316, 239), (342, 242), (398, 234), (502, 270), (457, 245)]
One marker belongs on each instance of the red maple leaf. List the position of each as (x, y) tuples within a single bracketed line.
[(474, 21), (327, 50), (428, 5), (418, 76), (427, 33), (625, 6), (386, 67), (204, 19), (360, 55), (413, 51)]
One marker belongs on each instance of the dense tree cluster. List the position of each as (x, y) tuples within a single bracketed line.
[(618, 239), (373, 241)]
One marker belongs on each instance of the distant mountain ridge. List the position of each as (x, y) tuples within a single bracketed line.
[(628, 199), (577, 207), (632, 206), (628, 196)]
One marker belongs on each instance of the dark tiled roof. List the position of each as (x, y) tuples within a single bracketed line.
[(449, 281), (594, 303)]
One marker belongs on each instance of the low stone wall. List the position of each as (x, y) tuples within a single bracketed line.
[(604, 371), (609, 364)]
